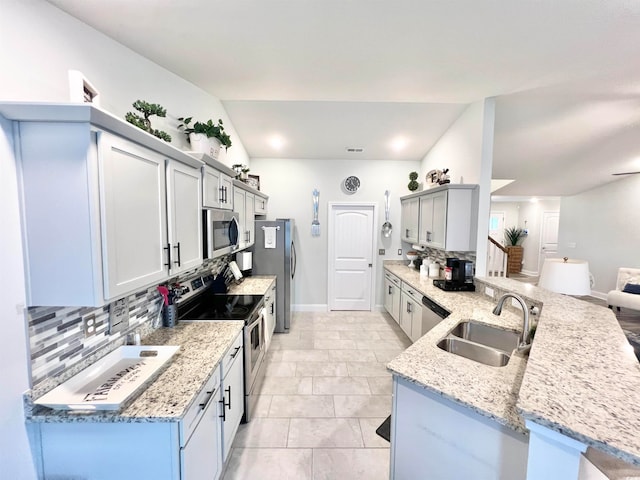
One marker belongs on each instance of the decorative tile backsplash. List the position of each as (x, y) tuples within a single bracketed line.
[(58, 346)]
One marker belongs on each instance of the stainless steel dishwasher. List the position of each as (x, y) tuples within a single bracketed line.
[(432, 314)]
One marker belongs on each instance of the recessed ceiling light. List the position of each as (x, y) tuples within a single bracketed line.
[(276, 142), (354, 149), (399, 143)]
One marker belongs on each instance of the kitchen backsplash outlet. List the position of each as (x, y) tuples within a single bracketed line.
[(65, 340)]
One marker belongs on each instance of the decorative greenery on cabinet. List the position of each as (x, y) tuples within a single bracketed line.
[(142, 122)]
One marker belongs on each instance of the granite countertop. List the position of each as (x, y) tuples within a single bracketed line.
[(490, 391), (167, 398), (581, 378), (255, 285)]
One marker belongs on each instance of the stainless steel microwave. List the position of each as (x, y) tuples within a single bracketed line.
[(220, 232)]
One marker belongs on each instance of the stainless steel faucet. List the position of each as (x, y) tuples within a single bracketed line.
[(525, 342)]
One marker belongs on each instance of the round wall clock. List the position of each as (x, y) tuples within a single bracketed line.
[(351, 184)]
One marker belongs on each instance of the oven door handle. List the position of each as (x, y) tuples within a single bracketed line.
[(257, 320)]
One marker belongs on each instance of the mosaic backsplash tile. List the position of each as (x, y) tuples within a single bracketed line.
[(58, 347)]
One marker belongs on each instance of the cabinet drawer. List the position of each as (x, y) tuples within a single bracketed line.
[(234, 353), (194, 413), (412, 292), (393, 279)]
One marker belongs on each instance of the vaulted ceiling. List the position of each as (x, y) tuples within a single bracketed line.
[(390, 77)]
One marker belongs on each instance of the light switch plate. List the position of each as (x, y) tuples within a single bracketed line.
[(489, 292), (381, 251), (399, 251), (118, 315)]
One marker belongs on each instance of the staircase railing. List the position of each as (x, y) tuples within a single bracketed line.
[(497, 257)]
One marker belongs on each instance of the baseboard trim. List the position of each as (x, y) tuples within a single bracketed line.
[(529, 273)]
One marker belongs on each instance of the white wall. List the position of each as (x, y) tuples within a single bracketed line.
[(466, 149), (604, 224), (39, 44), (290, 183)]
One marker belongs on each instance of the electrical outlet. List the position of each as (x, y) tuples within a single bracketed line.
[(489, 292), (399, 251), (89, 324), (381, 251), (516, 304)]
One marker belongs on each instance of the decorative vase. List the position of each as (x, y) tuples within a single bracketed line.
[(515, 253)]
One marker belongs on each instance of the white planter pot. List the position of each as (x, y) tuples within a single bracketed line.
[(199, 143), (214, 147)]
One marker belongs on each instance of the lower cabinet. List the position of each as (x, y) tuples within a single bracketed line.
[(270, 314), (193, 447), (411, 312), (392, 286)]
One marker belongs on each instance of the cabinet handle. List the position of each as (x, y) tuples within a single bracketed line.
[(204, 404), (226, 200), (233, 355), (168, 249), (228, 390), (223, 416), (406, 235), (389, 289), (221, 194), (178, 247), (428, 236)]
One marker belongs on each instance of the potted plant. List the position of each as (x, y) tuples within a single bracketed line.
[(413, 184), (206, 137), (515, 252), (242, 171), (142, 121)]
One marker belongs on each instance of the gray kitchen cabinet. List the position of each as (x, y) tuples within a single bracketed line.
[(244, 206), (94, 204), (232, 390), (261, 203), (392, 286), (217, 189), (409, 219), (411, 312), (270, 314), (447, 217)]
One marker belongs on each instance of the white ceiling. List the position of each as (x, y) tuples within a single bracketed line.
[(325, 75)]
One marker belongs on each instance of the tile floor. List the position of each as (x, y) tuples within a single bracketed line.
[(325, 392)]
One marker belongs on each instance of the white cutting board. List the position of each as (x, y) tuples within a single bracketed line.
[(111, 381)]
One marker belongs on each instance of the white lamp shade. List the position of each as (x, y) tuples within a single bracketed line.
[(570, 277)]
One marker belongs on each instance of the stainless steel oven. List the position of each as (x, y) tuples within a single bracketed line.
[(198, 303)]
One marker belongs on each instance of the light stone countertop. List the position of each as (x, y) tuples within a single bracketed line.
[(255, 285), (167, 398), (490, 391), (581, 379)]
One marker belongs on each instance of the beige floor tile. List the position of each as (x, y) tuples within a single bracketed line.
[(351, 356), (320, 334), (385, 356), (274, 355), (340, 386), (360, 405), (285, 342), (367, 369), (305, 356), (262, 405), (280, 369), (352, 464), (361, 335), (324, 432), (329, 344), (263, 432), (269, 464), (302, 406), (369, 435), (380, 385), (375, 345), (286, 386), (322, 369)]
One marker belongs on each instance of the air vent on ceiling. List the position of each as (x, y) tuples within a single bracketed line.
[(355, 149)]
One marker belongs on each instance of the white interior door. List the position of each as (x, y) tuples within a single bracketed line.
[(351, 246), (548, 236)]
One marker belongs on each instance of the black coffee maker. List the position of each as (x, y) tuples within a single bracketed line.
[(458, 275)]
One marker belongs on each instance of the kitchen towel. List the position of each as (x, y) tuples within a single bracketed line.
[(269, 237)]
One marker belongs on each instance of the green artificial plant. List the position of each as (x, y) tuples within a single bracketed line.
[(142, 121), (413, 185), (514, 235), (208, 128)]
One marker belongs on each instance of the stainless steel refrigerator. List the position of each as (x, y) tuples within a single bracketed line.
[(279, 260)]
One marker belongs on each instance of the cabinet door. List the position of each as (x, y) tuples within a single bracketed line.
[(250, 217), (260, 205), (406, 313), (201, 458), (232, 403), (226, 188), (270, 315), (439, 220), (388, 296), (134, 219), (416, 321), (212, 192), (239, 207), (395, 303), (409, 219), (185, 217)]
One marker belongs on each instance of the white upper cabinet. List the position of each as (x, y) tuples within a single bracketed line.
[(409, 218), (107, 209), (244, 206), (447, 217), (134, 217), (217, 189), (261, 205), (184, 205)]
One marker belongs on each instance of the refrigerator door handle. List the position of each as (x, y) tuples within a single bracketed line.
[(294, 260)]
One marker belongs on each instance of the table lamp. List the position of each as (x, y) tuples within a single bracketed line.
[(565, 275)]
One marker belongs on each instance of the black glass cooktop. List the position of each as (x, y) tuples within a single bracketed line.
[(219, 307)]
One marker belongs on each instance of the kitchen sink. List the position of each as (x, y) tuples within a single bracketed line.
[(487, 335), (473, 351)]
